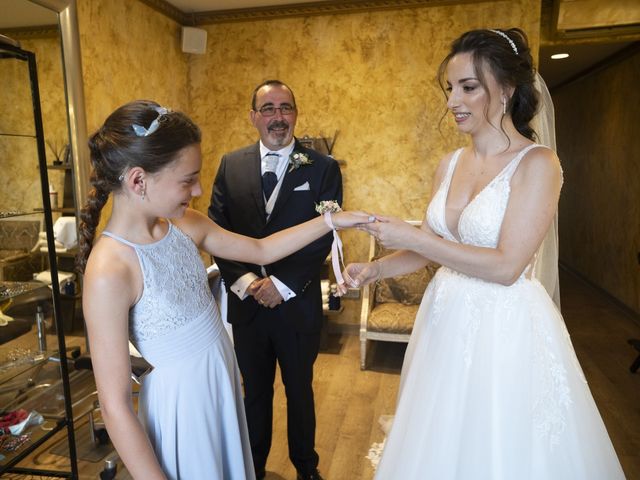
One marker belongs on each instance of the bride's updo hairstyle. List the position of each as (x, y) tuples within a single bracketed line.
[(138, 134), (506, 54)]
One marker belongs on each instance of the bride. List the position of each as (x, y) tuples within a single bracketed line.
[(490, 387)]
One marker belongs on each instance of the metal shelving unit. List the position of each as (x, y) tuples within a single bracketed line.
[(65, 421)]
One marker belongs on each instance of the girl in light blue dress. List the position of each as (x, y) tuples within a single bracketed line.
[(144, 280)]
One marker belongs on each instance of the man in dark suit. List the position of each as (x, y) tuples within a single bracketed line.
[(276, 310)]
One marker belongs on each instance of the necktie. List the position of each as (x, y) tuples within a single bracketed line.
[(269, 178)]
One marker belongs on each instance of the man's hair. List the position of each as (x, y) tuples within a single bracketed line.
[(269, 83)]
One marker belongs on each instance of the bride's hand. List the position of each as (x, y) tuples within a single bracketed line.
[(358, 275), (347, 219), (391, 232)]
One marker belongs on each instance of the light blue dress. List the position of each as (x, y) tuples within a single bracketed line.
[(191, 403)]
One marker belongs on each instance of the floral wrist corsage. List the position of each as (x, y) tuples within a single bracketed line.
[(326, 208), (330, 206)]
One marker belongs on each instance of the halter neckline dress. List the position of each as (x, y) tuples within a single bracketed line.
[(191, 403)]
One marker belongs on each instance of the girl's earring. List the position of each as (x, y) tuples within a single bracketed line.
[(504, 106), (143, 192)]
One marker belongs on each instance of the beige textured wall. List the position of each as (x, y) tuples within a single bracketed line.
[(129, 52), (369, 75), (20, 181), (598, 142)]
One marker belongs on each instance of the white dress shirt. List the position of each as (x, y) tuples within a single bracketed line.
[(240, 286)]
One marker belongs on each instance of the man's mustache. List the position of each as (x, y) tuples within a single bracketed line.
[(278, 124)]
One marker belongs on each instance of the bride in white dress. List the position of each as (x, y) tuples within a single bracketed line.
[(490, 387)]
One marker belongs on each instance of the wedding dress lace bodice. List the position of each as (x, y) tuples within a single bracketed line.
[(175, 289), (481, 220)]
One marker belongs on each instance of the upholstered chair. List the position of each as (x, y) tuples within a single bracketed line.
[(389, 306)]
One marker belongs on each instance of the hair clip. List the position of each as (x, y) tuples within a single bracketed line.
[(506, 37), (145, 132)]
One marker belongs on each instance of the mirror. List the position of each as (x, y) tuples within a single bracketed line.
[(61, 92)]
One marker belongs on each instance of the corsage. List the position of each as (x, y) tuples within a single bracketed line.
[(326, 208)]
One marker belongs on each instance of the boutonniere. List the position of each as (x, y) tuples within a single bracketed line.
[(297, 159)]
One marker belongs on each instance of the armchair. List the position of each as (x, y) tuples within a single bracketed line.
[(389, 306)]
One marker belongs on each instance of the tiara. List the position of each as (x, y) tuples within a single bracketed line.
[(145, 132), (506, 37)]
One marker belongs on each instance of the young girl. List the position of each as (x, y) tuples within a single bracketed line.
[(144, 280)]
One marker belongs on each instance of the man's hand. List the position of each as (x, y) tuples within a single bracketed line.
[(253, 288), (265, 292)]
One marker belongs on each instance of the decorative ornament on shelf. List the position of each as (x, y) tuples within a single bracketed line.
[(297, 160), (57, 152)]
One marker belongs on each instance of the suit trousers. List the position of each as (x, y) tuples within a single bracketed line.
[(267, 339)]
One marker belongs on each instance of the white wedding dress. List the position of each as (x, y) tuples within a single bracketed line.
[(491, 388)]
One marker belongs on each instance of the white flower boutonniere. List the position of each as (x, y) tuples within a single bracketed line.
[(297, 159)]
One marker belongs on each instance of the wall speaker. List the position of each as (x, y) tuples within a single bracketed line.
[(194, 40)]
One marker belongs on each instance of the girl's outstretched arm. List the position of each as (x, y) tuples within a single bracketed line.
[(217, 241)]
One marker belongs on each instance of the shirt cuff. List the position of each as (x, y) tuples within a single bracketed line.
[(285, 292), (240, 286)]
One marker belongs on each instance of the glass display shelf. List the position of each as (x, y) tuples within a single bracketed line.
[(22, 135), (19, 213), (58, 209)]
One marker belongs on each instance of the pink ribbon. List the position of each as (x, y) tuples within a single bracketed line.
[(337, 257)]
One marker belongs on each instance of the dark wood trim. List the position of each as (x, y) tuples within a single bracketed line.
[(617, 57), (170, 11), (622, 31), (39, 31)]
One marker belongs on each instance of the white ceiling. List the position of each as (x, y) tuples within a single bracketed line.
[(23, 13)]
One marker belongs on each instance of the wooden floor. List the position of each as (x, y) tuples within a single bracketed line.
[(349, 401)]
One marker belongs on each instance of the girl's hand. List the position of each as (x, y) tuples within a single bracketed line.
[(351, 219)]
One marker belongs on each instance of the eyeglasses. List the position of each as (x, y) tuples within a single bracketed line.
[(270, 110)]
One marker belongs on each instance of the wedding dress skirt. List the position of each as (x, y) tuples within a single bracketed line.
[(491, 389)]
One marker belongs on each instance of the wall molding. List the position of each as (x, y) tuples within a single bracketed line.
[(169, 11), (25, 33), (332, 7)]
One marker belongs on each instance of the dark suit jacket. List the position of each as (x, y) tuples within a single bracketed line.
[(237, 204)]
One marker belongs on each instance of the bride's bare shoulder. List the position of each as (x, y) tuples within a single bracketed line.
[(540, 160)]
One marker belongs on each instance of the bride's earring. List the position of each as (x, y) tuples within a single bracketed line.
[(504, 106), (143, 192)]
